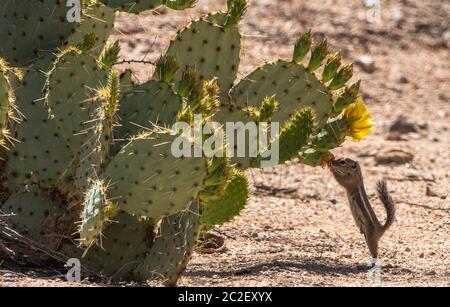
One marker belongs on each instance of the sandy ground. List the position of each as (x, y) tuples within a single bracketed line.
[(307, 237)]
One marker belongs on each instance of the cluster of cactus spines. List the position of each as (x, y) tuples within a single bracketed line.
[(93, 159), (8, 110), (296, 134)]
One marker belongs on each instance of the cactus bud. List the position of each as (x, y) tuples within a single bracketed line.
[(296, 134), (319, 53), (236, 10), (315, 158), (347, 97), (110, 56), (331, 67), (188, 80), (166, 67), (180, 4), (210, 97), (302, 47), (331, 136), (109, 95), (344, 74), (268, 107), (88, 42)]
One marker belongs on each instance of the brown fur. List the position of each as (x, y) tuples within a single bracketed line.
[(348, 174)]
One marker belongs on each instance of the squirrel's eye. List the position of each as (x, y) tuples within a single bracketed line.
[(342, 162), (354, 166)]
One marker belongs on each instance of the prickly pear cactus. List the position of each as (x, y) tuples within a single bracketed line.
[(87, 157), (28, 32)]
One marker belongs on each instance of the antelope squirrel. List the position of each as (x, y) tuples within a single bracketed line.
[(348, 174)]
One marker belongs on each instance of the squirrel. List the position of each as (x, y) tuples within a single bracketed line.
[(348, 174)]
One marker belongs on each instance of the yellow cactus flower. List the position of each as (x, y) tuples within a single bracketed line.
[(359, 120)]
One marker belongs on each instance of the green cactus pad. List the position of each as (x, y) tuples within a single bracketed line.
[(229, 205), (293, 86), (41, 154), (211, 48), (71, 90), (35, 214), (151, 103), (147, 180), (172, 247), (296, 134), (93, 216), (26, 32), (124, 245)]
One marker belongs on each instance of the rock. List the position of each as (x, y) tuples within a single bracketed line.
[(397, 16), (402, 125), (394, 156), (446, 38), (431, 192), (422, 26), (396, 136), (443, 97), (403, 80), (367, 63)]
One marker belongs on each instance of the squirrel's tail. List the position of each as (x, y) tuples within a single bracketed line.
[(388, 203)]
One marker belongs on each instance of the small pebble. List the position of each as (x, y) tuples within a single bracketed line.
[(431, 192), (367, 63), (394, 156), (402, 125)]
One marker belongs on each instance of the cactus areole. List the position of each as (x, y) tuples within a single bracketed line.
[(88, 168)]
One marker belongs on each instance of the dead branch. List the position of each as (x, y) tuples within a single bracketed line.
[(24, 251)]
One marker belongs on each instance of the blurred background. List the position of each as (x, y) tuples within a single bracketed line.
[(298, 229)]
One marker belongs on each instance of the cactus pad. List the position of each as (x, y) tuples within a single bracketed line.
[(41, 154), (172, 247), (293, 86), (229, 205), (28, 33), (147, 180), (211, 48), (125, 244), (71, 90), (96, 210)]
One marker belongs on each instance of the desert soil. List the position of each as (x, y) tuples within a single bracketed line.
[(297, 229)]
